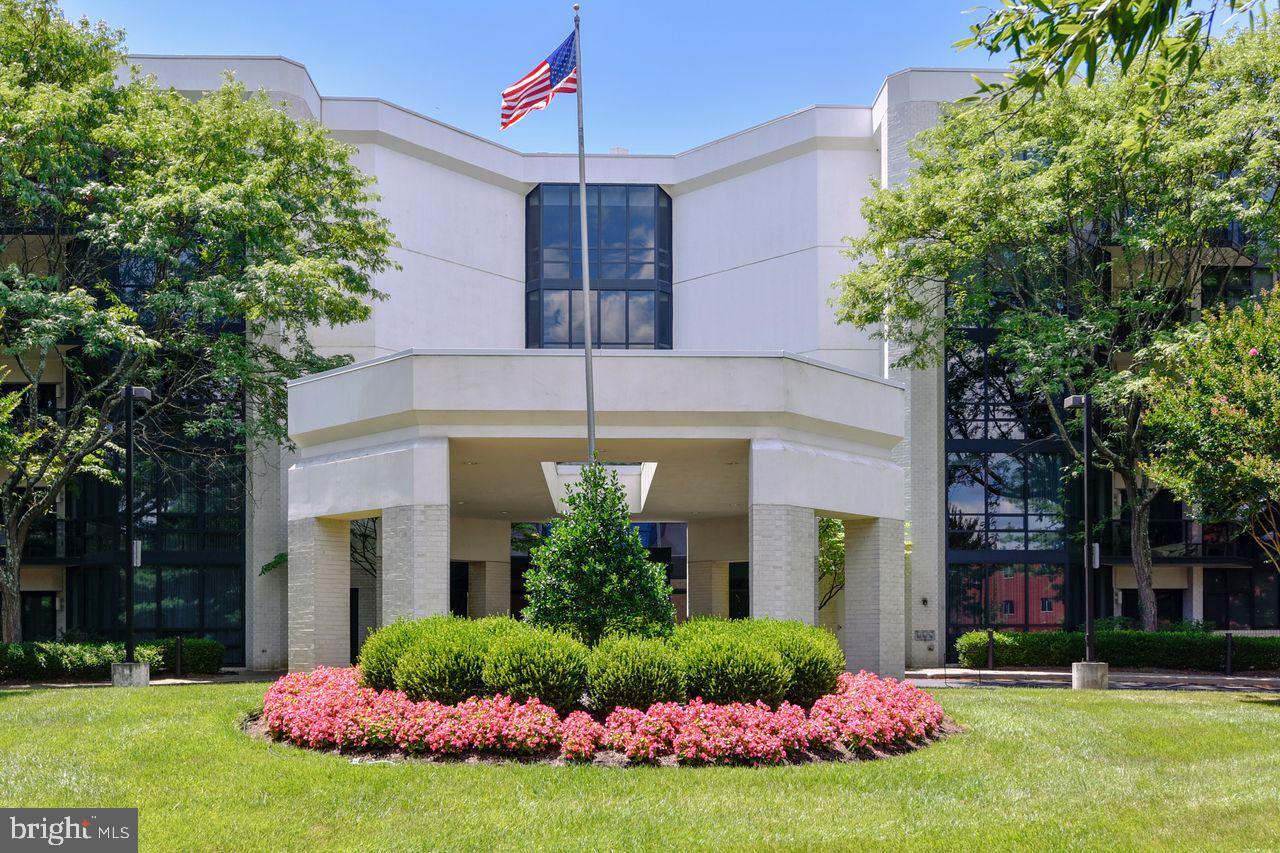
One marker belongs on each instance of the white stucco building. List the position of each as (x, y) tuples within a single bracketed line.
[(720, 373), (721, 366), (742, 411)]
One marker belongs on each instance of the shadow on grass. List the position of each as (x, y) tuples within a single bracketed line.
[(7, 693), (1271, 702)]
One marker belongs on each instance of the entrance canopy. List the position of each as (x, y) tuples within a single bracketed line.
[(449, 448)]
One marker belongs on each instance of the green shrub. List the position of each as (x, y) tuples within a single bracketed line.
[(812, 654), (592, 575), (1176, 650), (198, 655), (446, 670), (446, 666), (633, 672), (384, 648), (49, 659), (729, 668), (438, 658), (1035, 648), (1256, 653), (1186, 626), (534, 663)]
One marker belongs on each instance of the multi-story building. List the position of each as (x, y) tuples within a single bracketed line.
[(730, 400)]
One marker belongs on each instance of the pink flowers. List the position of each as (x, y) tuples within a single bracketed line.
[(327, 708), (703, 733), (867, 711), (1253, 351)]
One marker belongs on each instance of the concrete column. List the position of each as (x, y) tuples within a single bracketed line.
[(415, 561), (319, 593), (921, 452), (708, 588), (377, 580), (873, 596), (784, 562), (266, 629), (1196, 593), (497, 587)]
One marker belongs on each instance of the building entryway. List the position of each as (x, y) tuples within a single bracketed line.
[(459, 588), (39, 615)]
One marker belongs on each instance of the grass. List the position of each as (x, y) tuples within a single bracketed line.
[(1045, 768)]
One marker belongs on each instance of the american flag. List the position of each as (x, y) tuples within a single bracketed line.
[(557, 73)]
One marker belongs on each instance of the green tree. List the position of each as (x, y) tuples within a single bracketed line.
[(1213, 409), (149, 239), (1072, 258), (830, 559), (591, 575), (1053, 40)]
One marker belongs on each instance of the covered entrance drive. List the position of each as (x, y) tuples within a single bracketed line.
[(449, 449)]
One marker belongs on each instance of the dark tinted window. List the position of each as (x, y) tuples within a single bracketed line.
[(629, 238)]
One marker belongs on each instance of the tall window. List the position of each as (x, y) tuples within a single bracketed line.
[(1229, 286), (629, 237), (1007, 514), (1004, 502)]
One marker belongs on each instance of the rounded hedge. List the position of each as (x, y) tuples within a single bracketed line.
[(727, 668), (812, 654), (1176, 650), (534, 663), (445, 661), (448, 669), (633, 672), (385, 647), (432, 658)]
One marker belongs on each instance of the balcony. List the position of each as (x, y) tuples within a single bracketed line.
[(1183, 539)]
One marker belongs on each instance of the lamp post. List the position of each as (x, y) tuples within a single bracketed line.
[(132, 394), (1090, 673)]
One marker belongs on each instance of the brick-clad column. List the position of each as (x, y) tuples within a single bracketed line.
[(415, 561), (319, 593), (497, 587), (784, 562), (874, 590), (709, 588)]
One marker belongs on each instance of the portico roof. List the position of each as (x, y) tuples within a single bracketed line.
[(486, 393)]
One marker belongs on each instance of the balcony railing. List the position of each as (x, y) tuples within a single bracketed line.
[(1183, 538)]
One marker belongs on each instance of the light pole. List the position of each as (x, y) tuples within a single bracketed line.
[(132, 394), (1090, 674)]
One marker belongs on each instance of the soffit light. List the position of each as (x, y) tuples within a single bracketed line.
[(635, 478)]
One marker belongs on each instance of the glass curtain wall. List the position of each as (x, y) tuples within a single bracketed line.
[(629, 234), (191, 523), (1007, 514)]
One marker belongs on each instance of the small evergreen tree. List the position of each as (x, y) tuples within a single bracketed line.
[(592, 575)]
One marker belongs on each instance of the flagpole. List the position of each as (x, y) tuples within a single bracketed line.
[(586, 266)]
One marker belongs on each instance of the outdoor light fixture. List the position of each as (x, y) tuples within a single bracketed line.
[(133, 558), (634, 477), (1084, 402)]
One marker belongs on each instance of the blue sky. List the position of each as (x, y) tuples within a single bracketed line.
[(660, 76)]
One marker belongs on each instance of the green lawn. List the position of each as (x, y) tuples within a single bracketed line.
[(1048, 768)]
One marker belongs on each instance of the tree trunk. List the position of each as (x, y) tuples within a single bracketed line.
[(10, 597), (1140, 545)]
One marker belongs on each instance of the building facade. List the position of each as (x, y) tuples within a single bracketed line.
[(726, 392)]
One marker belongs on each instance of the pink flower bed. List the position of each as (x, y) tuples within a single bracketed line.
[(327, 708)]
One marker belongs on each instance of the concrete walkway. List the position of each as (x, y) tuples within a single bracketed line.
[(227, 676), (1120, 679)]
